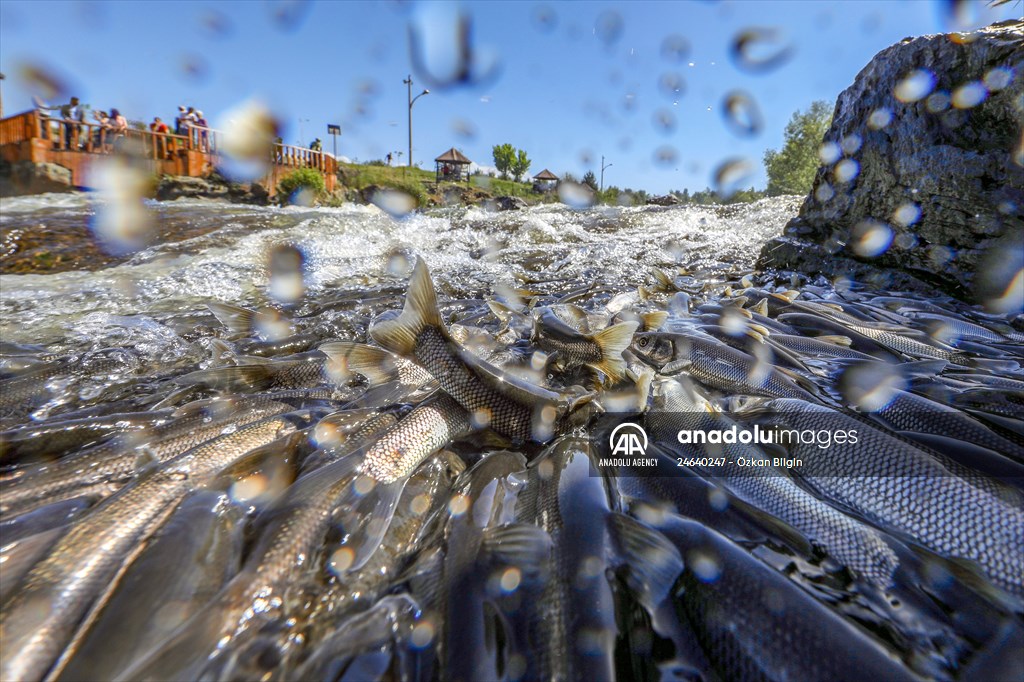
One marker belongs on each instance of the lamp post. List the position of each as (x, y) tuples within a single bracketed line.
[(412, 100), (602, 172), (333, 129), (2, 97)]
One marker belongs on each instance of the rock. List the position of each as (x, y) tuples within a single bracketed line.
[(927, 181), (509, 203), (26, 177), (173, 187), (664, 200)]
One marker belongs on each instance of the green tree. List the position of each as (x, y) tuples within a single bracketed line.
[(791, 170), (504, 158), (520, 165), (590, 180)]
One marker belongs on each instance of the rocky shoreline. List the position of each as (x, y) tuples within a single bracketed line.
[(922, 182)]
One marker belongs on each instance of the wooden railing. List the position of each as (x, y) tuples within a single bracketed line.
[(94, 138)]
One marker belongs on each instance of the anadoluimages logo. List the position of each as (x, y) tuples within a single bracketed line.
[(629, 440)]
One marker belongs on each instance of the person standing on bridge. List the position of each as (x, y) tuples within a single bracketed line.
[(118, 127), (74, 115), (160, 139), (203, 127)]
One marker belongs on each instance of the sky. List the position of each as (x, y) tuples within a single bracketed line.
[(642, 84)]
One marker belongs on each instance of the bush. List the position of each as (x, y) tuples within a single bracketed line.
[(303, 178)]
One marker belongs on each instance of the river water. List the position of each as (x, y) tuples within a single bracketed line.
[(909, 595)]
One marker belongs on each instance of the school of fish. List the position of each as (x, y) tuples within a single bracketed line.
[(435, 496)]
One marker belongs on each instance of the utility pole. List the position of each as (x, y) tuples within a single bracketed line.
[(412, 100), (602, 172), (2, 97)]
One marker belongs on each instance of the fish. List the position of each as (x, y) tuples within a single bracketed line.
[(573, 626), (257, 652), (938, 503), (600, 351), (754, 624), (59, 593), (181, 569), (512, 407), (677, 406), (293, 528), (51, 438), (714, 364), (100, 470)]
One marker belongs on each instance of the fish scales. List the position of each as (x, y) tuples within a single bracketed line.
[(95, 469), (60, 590), (940, 504)]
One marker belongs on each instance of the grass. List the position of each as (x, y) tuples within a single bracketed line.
[(423, 185)]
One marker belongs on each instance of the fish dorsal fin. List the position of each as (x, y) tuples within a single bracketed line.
[(240, 377), (420, 311), (835, 339), (376, 364), (653, 321), (761, 307), (238, 320), (662, 278)]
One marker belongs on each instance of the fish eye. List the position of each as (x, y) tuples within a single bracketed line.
[(643, 342)]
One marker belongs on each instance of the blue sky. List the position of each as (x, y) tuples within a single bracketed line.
[(567, 82)]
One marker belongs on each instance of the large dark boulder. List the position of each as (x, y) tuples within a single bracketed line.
[(923, 182)]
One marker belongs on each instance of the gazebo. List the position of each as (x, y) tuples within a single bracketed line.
[(545, 180), (453, 166)]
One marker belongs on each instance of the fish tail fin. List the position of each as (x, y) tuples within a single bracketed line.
[(420, 311), (612, 341), (652, 321), (653, 561), (835, 339), (663, 279), (349, 357), (238, 320), (521, 545), (237, 378)]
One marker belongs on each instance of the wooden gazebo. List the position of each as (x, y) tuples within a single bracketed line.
[(545, 180), (452, 166)]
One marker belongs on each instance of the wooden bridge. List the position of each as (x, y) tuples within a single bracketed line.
[(32, 136)]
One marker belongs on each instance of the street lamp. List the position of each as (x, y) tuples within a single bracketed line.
[(602, 172), (334, 130), (412, 100)]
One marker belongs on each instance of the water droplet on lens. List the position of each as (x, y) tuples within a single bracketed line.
[(742, 115), (675, 48), (937, 102), (870, 239), (665, 155), (846, 170), (216, 23), (544, 18), (1000, 280), (287, 272), (851, 144), (759, 50), (122, 223), (969, 95), (608, 27), (671, 84), (664, 121), (730, 175), (870, 386), (42, 81), (705, 565), (247, 142), (829, 153), (879, 118), (915, 86), (443, 49), (575, 195), (394, 202), (288, 15), (998, 78), (463, 128), (906, 214)]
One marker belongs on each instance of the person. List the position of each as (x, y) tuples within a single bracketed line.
[(316, 145), (102, 134), (118, 127), (161, 129), (388, 157), (203, 127), (181, 122), (73, 114)]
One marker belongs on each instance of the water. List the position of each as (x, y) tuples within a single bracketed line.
[(351, 249), (128, 327)]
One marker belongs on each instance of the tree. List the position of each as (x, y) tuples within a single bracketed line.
[(504, 158), (590, 180), (520, 165), (791, 170)]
